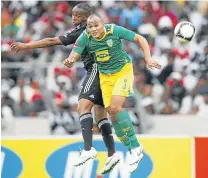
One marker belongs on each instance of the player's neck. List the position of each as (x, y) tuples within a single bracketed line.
[(102, 35), (83, 23)]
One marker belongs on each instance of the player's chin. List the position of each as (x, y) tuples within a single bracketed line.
[(75, 23), (96, 36)]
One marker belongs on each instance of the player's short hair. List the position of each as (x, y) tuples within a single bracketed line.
[(85, 7), (95, 15)]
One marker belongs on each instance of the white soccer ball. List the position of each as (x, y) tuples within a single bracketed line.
[(184, 31)]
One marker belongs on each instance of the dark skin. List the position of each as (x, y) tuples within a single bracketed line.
[(78, 16)]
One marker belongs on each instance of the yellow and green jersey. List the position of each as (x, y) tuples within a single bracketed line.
[(108, 52)]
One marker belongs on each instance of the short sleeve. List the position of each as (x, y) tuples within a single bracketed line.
[(81, 43), (71, 36), (124, 33)]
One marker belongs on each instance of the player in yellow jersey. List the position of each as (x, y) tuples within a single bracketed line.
[(104, 43)]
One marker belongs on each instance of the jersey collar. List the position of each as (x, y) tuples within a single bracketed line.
[(82, 24)]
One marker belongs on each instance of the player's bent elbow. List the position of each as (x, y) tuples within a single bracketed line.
[(139, 39)]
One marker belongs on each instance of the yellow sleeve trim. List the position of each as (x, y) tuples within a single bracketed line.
[(88, 34), (111, 29)]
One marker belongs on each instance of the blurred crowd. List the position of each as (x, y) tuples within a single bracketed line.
[(35, 83)]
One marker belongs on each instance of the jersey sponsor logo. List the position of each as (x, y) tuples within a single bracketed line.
[(102, 56), (109, 42), (11, 164), (60, 163)]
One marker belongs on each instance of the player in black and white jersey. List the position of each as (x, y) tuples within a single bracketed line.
[(90, 93)]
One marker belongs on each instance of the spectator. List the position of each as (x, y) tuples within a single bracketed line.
[(64, 121), (21, 90), (131, 16), (174, 88), (171, 90), (7, 117), (37, 100), (203, 108)]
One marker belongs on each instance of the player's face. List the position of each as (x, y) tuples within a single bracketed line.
[(96, 28), (78, 16)]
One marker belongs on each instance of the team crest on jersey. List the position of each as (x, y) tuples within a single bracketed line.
[(110, 42)]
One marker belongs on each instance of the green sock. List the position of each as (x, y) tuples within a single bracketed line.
[(121, 135), (127, 126)]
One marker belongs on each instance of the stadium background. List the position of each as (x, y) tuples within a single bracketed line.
[(39, 95)]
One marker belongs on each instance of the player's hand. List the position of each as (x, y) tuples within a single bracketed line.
[(153, 64), (69, 62), (17, 46)]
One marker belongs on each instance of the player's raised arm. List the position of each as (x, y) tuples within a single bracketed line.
[(46, 42), (129, 35), (67, 39), (77, 50), (142, 42), (79, 18)]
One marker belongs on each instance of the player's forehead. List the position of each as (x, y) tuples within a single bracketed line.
[(93, 21), (78, 11)]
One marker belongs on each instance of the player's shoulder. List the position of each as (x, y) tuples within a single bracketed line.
[(113, 29), (86, 34), (109, 28), (69, 31), (73, 32)]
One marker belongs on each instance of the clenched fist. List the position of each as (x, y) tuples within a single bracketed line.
[(69, 62), (153, 64)]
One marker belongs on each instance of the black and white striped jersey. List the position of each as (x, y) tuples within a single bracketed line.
[(71, 37)]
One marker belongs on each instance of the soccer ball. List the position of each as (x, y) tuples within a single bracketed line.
[(184, 31)]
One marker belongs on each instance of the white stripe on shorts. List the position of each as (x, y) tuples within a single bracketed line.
[(91, 78)]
